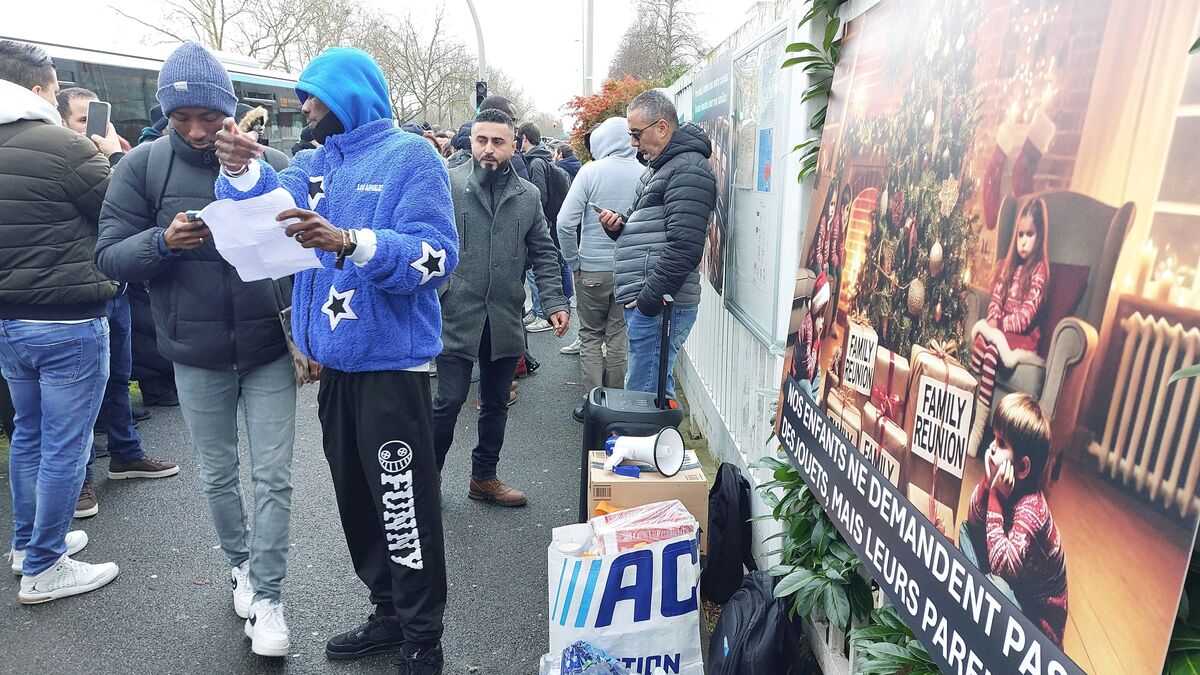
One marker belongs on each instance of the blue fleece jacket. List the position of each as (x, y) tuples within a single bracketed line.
[(384, 314)]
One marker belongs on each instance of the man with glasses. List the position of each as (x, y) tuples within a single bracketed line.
[(659, 243)]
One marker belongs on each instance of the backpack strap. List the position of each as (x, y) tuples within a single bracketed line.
[(158, 173)]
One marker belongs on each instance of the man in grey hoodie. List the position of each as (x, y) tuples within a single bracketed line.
[(610, 182)]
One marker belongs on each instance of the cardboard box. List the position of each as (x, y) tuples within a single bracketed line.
[(689, 486)]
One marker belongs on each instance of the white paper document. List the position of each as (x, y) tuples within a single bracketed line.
[(248, 237)]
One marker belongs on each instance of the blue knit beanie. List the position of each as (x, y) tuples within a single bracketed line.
[(193, 77)]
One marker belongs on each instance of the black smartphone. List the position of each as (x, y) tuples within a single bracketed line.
[(97, 121), (596, 207), (193, 216)]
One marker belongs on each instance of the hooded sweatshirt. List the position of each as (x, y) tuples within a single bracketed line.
[(610, 181), (52, 188), (380, 311)]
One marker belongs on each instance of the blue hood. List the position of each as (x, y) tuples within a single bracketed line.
[(350, 83)]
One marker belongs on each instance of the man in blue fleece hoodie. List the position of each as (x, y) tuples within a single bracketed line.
[(375, 203)]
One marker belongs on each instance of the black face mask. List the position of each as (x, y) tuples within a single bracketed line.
[(329, 125)]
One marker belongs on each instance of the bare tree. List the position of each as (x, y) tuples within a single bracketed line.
[(548, 124), (661, 41), (429, 68), (430, 75), (501, 83), (204, 21)]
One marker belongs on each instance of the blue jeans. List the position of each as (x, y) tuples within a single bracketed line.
[(645, 338), (56, 373), (124, 443), (209, 400), (536, 297)]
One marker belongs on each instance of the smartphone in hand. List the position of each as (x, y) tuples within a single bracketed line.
[(596, 207), (97, 120)]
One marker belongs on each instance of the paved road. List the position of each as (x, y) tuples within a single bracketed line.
[(170, 610)]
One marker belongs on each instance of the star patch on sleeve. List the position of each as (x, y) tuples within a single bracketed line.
[(316, 191), (432, 262), (337, 307)]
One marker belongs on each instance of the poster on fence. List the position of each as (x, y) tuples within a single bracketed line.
[(1006, 269), (710, 110)]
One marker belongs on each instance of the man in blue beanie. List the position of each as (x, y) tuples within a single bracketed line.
[(222, 334), (374, 202)]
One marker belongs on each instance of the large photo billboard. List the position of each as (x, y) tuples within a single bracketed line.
[(1004, 244)]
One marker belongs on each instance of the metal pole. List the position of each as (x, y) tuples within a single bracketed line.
[(482, 55), (587, 48)]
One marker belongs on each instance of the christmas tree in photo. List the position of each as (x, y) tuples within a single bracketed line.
[(912, 286)]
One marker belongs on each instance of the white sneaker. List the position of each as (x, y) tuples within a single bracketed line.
[(65, 578), (539, 326), (243, 592), (573, 348), (76, 540), (267, 630)]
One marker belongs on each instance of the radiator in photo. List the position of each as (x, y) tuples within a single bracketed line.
[(1152, 435)]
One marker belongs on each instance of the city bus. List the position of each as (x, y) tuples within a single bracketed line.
[(129, 82)]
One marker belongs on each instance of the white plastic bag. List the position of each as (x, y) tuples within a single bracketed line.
[(641, 605), (634, 527)]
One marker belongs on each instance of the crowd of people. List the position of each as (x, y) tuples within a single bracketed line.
[(427, 242)]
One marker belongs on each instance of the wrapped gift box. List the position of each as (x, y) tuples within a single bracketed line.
[(938, 416), (858, 358), (842, 411), (889, 389), (940, 515), (885, 444)]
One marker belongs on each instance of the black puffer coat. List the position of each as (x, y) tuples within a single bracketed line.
[(205, 315), (52, 181), (658, 251)]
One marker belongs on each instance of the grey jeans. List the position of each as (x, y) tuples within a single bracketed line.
[(209, 400), (601, 321)]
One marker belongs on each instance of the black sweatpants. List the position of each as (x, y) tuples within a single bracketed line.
[(377, 429)]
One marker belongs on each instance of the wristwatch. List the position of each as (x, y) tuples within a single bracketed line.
[(349, 243)]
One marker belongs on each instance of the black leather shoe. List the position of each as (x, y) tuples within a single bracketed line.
[(578, 414), (139, 413), (421, 660), (380, 634)]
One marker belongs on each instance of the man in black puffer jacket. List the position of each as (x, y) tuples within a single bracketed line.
[(660, 242), (223, 334), (53, 333)]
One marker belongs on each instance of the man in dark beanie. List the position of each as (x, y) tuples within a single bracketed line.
[(223, 334), (370, 316)]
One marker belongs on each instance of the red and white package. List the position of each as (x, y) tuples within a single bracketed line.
[(630, 528)]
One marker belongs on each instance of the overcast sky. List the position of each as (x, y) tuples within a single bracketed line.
[(545, 60)]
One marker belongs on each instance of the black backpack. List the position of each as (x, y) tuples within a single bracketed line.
[(558, 182), (729, 535), (754, 635)]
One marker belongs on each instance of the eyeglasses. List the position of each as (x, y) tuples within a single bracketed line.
[(636, 134)]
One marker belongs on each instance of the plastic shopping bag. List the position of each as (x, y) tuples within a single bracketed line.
[(641, 606), (631, 528)]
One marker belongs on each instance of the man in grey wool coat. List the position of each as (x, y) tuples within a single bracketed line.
[(500, 223)]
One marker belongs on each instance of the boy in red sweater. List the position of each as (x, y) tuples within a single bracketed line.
[(1009, 517)]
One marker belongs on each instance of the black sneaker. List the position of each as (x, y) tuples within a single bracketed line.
[(426, 660), (380, 634)]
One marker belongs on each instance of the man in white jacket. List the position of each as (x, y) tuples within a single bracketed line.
[(608, 182)]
